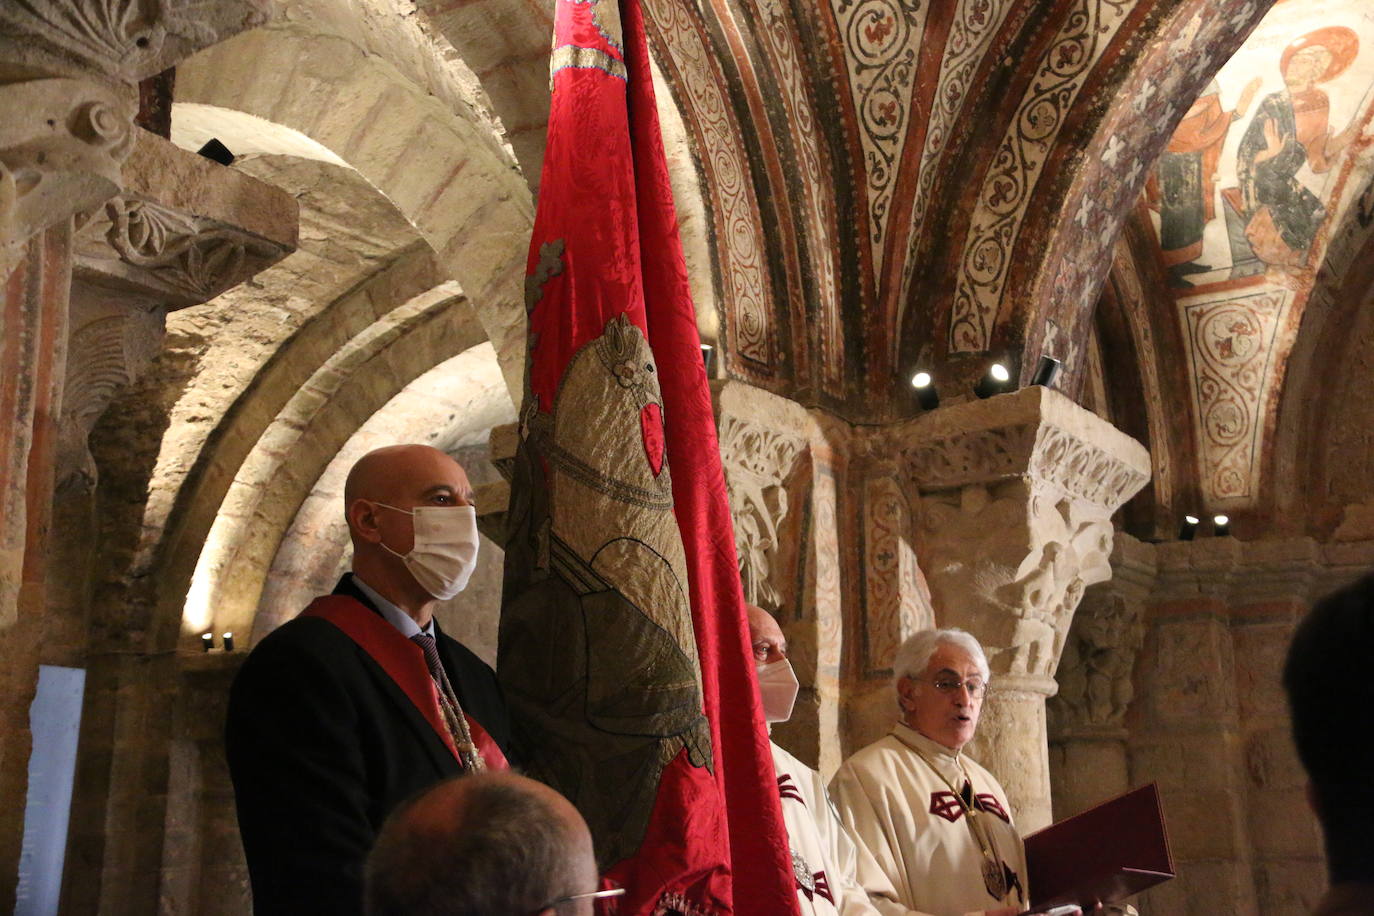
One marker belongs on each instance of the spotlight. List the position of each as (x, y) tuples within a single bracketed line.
[(1222, 525), (925, 391), (708, 359), (995, 382), (216, 151), (207, 642), (1046, 371), (228, 642), (1190, 523)]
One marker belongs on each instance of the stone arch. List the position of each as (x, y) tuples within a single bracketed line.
[(1326, 372), (448, 173), (278, 474)]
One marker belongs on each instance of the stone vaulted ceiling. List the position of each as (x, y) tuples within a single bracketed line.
[(924, 185), (871, 187), (1253, 218)]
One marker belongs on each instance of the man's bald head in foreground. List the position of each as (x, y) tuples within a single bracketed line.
[(490, 844)]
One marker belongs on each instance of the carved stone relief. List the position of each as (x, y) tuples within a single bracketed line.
[(67, 125), (757, 462), (182, 232), (61, 145), (169, 255), (1094, 674)]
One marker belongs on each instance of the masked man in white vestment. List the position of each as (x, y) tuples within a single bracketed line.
[(935, 825), (823, 855)]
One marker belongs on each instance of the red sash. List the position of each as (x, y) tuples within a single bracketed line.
[(404, 663)]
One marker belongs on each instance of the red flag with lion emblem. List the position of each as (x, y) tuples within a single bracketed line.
[(623, 648)]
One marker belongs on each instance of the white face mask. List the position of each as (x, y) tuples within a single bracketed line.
[(778, 686), (445, 551)]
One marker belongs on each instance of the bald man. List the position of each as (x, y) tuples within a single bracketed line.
[(362, 701), (485, 845)]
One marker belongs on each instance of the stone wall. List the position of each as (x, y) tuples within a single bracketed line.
[(1176, 680)]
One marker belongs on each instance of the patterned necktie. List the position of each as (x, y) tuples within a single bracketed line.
[(449, 708)]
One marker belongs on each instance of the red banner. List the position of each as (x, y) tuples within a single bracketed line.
[(624, 651)]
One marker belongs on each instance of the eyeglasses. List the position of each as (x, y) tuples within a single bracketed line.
[(607, 894), (975, 686)]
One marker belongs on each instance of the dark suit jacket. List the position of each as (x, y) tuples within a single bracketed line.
[(322, 745)]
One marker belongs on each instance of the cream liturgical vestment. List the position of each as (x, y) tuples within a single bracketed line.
[(823, 855), (897, 798)]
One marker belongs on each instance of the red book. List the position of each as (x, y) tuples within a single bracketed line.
[(1107, 853)]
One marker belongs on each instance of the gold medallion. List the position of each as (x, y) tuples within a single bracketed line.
[(995, 877)]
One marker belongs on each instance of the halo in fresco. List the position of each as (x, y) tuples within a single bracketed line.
[(1274, 157)]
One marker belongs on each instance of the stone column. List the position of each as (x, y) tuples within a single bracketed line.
[(68, 74), (1089, 760), (764, 441), (1016, 498), (182, 230)]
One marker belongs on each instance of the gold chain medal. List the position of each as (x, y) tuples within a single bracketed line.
[(994, 876), (994, 873)]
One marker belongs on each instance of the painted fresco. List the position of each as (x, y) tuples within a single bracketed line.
[(1250, 176), (1259, 173)]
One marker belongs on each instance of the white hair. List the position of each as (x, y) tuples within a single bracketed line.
[(915, 652)]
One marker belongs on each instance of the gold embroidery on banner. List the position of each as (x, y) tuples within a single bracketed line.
[(584, 59), (606, 16)]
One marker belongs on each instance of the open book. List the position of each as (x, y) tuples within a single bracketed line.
[(1107, 853)]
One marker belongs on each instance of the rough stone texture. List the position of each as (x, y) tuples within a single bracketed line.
[(1203, 714)]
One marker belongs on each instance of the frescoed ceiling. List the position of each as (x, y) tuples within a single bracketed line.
[(897, 184), (1257, 208), (893, 185)]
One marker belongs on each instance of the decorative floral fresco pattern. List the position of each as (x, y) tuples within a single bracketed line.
[(975, 24), (748, 305), (1231, 347), (898, 599), (1001, 208), (881, 40), (780, 42)]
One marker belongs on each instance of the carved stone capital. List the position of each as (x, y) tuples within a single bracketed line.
[(1017, 494), (151, 250), (1036, 434), (61, 145), (761, 437), (184, 230), (68, 70), (1094, 676), (119, 40)]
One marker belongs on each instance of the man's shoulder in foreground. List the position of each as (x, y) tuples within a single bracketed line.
[(1351, 898)]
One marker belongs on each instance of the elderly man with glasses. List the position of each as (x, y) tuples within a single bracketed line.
[(936, 825)]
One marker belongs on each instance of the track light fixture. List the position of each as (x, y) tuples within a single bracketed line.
[(216, 151), (1046, 371), (1190, 523), (995, 382), (207, 642), (1221, 525), (708, 359), (228, 642), (925, 390)]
